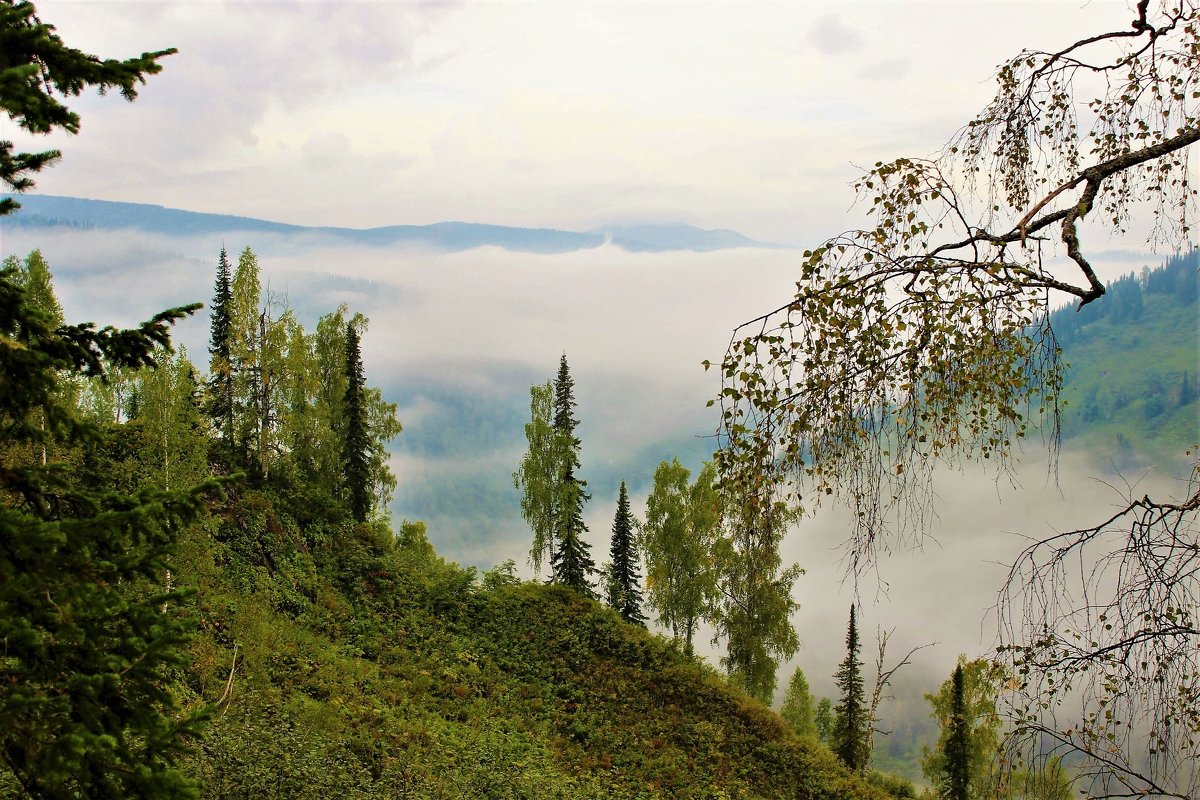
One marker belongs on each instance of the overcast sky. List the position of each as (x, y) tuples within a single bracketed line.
[(743, 115)]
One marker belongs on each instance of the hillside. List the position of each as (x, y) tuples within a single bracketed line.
[(273, 638), (1132, 394), (368, 667)]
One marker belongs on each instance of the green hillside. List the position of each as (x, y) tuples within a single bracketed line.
[(1132, 394), (369, 667), (270, 636)]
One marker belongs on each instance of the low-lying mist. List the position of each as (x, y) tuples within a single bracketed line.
[(456, 340)]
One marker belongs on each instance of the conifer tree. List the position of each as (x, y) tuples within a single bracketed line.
[(88, 642), (851, 723), (572, 562), (956, 777), (220, 383), (623, 592), (356, 449)]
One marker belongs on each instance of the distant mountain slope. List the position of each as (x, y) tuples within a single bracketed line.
[(48, 210), (1133, 381)]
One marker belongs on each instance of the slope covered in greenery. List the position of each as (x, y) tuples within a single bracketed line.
[(1132, 393), (366, 666), (328, 656)]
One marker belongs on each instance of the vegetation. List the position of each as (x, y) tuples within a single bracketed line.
[(797, 708), (624, 591), (851, 720), (679, 534), (928, 338)]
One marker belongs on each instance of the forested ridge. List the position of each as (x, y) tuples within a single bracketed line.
[(320, 651)]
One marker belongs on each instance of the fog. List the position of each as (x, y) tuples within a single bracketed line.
[(457, 339)]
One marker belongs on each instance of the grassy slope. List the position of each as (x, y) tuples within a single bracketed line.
[(406, 677)]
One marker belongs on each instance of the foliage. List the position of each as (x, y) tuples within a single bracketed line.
[(38, 72), (851, 719), (571, 561), (927, 338), (955, 781), (679, 534), (90, 639), (823, 722), (798, 706), (537, 475), (624, 594), (754, 595), (356, 447), (980, 731), (220, 382)]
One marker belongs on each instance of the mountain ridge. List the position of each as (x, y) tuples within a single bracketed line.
[(53, 210)]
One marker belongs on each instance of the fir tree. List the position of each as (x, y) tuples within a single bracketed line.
[(851, 725), (623, 592), (956, 776), (220, 384), (89, 642), (356, 449), (572, 562)]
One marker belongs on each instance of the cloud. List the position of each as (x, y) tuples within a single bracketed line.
[(833, 37)]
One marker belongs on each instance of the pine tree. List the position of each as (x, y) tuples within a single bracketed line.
[(851, 726), (220, 383), (356, 449), (89, 642), (623, 592), (572, 562), (956, 777)]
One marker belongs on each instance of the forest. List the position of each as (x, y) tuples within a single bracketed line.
[(203, 592)]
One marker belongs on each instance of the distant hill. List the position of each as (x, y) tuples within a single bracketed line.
[(48, 211), (1132, 395)]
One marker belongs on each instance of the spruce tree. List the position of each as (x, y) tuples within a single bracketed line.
[(956, 776), (89, 641), (623, 592), (220, 382), (356, 448), (851, 725), (572, 561)]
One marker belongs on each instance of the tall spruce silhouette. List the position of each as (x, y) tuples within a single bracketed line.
[(571, 562), (624, 593)]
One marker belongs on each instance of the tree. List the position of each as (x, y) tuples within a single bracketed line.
[(571, 562), (797, 709), (754, 595), (39, 69), (677, 539), (955, 781), (538, 473), (220, 383), (823, 722), (86, 709), (624, 594), (356, 449), (851, 723), (926, 338), (974, 719)]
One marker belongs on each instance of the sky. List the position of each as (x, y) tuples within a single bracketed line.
[(749, 116)]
